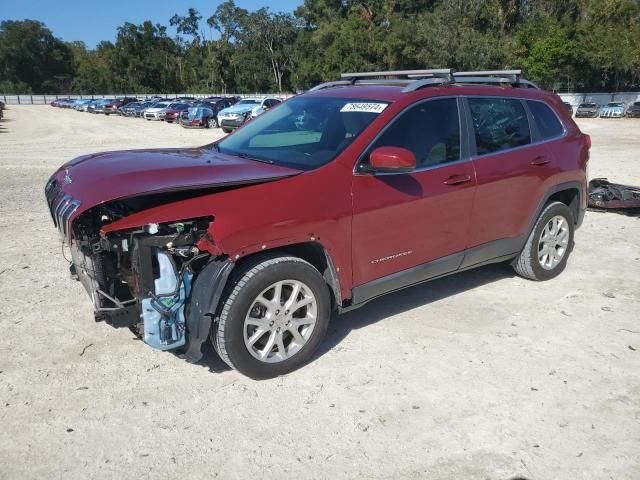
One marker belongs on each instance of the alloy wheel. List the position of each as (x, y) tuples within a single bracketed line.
[(280, 321), (553, 243)]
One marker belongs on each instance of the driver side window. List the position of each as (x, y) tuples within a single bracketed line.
[(431, 130)]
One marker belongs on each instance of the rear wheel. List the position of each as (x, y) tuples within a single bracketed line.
[(212, 123), (273, 318), (549, 245)]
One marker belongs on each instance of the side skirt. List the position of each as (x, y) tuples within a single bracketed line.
[(491, 252)]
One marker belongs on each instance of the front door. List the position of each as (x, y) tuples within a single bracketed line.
[(403, 221)]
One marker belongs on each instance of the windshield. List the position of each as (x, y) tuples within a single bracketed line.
[(303, 133), (588, 105), (614, 104), (248, 101)]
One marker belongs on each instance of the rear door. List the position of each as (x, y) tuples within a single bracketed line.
[(401, 221), (511, 167)]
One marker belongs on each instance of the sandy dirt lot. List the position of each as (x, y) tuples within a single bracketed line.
[(483, 375)]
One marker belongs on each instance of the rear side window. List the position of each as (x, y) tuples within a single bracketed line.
[(548, 124), (431, 130), (499, 123)]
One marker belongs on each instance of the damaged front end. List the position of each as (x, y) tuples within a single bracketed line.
[(154, 279)]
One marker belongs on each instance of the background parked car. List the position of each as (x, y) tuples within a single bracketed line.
[(589, 110), (246, 109), (198, 116), (64, 102), (153, 112), (613, 110), (114, 106), (172, 112), (568, 107), (129, 109), (217, 105), (634, 110), (81, 105), (138, 109), (102, 106)]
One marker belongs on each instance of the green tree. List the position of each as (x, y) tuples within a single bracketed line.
[(32, 60)]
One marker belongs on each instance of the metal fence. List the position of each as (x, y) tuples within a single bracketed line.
[(600, 99), (46, 99), (574, 99)]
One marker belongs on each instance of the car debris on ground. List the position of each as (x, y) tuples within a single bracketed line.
[(613, 196)]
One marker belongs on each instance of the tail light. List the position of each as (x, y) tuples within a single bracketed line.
[(587, 139)]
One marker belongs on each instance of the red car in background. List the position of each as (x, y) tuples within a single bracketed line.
[(114, 106), (172, 113), (354, 189)]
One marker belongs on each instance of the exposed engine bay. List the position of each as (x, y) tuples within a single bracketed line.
[(141, 278)]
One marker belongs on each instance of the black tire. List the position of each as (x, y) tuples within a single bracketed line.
[(227, 334), (527, 264), (226, 130)]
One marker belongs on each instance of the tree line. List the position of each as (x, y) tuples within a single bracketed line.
[(566, 45)]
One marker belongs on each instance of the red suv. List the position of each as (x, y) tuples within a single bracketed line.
[(352, 190)]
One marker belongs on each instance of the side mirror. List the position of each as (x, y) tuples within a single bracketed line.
[(264, 107), (392, 160)]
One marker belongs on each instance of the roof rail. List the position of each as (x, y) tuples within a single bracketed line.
[(416, 79), (438, 72), (491, 73)]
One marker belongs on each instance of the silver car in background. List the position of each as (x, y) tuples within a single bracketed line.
[(613, 110)]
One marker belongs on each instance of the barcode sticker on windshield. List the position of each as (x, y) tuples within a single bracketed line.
[(364, 107)]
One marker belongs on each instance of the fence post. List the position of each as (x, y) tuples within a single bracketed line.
[(18, 97)]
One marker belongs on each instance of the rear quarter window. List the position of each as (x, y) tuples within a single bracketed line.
[(547, 122)]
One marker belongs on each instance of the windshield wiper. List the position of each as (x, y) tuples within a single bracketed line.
[(215, 146), (249, 157)]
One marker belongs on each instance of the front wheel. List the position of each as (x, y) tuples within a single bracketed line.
[(274, 317), (226, 130), (545, 254)]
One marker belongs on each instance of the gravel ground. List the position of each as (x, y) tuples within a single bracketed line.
[(482, 375)]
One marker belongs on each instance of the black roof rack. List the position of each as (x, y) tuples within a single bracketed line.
[(413, 80)]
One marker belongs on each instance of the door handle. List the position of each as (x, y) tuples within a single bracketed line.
[(540, 160), (457, 179)]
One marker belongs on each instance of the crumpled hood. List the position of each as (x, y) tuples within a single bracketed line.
[(102, 177), (239, 108)]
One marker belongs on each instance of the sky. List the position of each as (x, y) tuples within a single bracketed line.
[(92, 21)]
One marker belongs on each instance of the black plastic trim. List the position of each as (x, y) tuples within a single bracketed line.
[(406, 278), (574, 185), (206, 292), (504, 248)]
